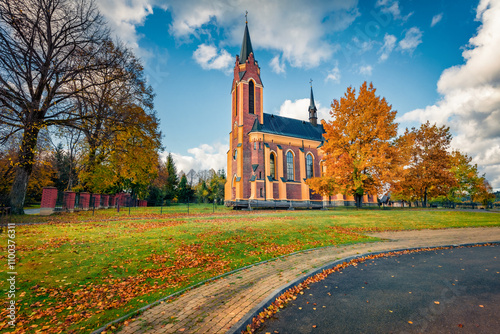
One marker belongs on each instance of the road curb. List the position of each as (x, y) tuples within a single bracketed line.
[(247, 319)]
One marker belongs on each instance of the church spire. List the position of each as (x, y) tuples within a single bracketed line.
[(246, 46), (313, 118)]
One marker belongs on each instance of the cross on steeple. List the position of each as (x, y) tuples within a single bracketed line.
[(246, 17), (311, 82), (246, 46)]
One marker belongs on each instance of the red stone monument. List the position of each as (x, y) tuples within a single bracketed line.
[(84, 201), (69, 201), (49, 198)]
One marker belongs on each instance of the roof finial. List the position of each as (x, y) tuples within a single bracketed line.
[(311, 82), (246, 17)]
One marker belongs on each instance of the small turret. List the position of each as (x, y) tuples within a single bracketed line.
[(313, 116)]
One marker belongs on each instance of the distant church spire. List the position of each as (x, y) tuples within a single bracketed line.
[(313, 117), (246, 46)]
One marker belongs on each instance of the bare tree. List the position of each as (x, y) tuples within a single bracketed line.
[(107, 106), (191, 175), (44, 46)]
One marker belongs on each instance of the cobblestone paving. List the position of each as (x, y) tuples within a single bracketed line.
[(218, 305)]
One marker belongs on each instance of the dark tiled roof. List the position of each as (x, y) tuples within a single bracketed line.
[(289, 127)]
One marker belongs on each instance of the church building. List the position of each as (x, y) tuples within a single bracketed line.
[(270, 157)]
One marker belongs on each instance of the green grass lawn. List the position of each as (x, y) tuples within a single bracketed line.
[(78, 271)]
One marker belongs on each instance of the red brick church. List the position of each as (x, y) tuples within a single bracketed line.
[(270, 157)]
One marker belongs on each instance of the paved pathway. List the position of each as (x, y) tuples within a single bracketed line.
[(453, 290), (219, 305)]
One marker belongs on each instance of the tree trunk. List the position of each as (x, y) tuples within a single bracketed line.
[(18, 190), (424, 203), (358, 199), (23, 170)]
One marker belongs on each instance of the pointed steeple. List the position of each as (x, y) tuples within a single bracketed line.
[(246, 46), (311, 104), (313, 117)]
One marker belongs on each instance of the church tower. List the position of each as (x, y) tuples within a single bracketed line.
[(246, 109)]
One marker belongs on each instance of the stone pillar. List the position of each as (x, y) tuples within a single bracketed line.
[(97, 200), (49, 198), (279, 167), (105, 201), (304, 188), (267, 171), (85, 201), (69, 201)]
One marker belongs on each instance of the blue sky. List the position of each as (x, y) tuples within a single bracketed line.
[(436, 60)]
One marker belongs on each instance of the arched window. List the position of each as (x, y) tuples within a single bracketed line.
[(272, 167), (309, 166), (289, 166), (235, 154), (251, 88)]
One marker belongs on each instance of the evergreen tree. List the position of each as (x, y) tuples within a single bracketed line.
[(63, 169), (184, 191), (172, 180)]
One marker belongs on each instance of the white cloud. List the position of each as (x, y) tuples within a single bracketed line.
[(436, 19), (413, 37), (299, 109), (124, 16), (470, 102), (366, 70), (299, 36), (333, 74), (277, 65), (392, 7), (208, 57), (203, 157), (386, 49), (363, 46)]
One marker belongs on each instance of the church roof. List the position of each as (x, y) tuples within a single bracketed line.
[(246, 46), (289, 127)]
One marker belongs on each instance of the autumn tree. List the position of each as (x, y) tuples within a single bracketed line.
[(216, 185), (466, 175), (42, 174), (359, 145), (131, 163), (483, 193), (113, 104), (202, 191), (428, 173), (44, 46)]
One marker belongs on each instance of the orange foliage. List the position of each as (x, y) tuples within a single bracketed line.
[(359, 148), (429, 167)]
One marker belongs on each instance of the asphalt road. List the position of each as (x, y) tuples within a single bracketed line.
[(447, 291)]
